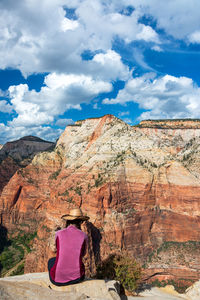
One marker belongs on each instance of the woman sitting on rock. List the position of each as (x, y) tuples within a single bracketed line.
[(67, 267)]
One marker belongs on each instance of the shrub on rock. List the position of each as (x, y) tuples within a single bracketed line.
[(121, 267)]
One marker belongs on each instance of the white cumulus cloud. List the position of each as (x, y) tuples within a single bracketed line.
[(179, 18), (157, 48), (5, 107), (68, 24), (195, 37), (164, 97), (60, 93), (40, 37), (36, 36), (64, 122), (109, 66), (148, 34), (11, 133)]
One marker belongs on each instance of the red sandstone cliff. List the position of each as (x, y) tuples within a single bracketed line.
[(140, 187)]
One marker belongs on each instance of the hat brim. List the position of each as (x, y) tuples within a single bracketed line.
[(70, 218)]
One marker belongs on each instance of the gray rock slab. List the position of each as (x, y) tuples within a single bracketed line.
[(37, 286)]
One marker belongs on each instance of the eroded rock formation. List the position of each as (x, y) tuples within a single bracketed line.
[(140, 187)]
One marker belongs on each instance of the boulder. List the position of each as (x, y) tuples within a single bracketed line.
[(193, 292)]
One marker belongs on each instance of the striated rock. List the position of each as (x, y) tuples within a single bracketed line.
[(172, 124), (37, 286), (140, 187)]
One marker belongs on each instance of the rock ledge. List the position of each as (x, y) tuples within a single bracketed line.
[(36, 286)]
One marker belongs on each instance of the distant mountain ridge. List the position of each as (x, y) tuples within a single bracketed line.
[(171, 124), (25, 147), (33, 138), (19, 153)]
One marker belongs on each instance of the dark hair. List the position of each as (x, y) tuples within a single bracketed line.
[(76, 222)]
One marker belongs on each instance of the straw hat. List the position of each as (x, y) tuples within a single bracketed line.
[(74, 214)]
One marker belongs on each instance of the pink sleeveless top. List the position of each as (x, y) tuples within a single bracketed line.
[(71, 245)]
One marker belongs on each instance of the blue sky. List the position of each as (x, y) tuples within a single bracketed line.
[(61, 61)]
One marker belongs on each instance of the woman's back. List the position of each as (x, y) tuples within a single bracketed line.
[(70, 244)]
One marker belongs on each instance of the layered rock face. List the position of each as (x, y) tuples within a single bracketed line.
[(16, 154), (173, 124), (140, 187)]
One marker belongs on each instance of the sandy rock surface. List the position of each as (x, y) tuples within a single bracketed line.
[(169, 293), (36, 286), (193, 292)]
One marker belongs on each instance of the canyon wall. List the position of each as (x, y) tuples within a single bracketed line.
[(140, 187)]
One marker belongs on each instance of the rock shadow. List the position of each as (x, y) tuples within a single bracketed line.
[(96, 239), (3, 241), (3, 238)]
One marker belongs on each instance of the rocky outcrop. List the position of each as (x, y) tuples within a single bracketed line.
[(17, 154), (169, 293), (140, 187), (38, 287)]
